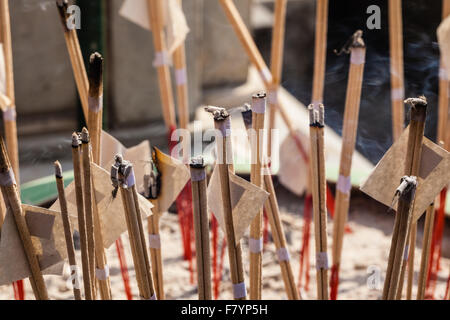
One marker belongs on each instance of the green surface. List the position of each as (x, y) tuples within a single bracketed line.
[(42, 190)]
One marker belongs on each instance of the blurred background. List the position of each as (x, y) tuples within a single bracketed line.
[(48, 106)]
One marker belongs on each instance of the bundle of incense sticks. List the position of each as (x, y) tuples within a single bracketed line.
[(122, 177), (9, 109), (418, 115), (397, 77), (406, 193), (357, 52), (76, 57), (222, 123), (318, 187), (273, 214), (10, 192), (256, 234)]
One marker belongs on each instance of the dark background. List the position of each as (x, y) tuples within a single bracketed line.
[(421, 53)]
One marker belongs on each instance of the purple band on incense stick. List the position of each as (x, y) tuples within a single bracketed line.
[(95, 103), (198, 175), (398, 94), (7, 178), (154, 241), (153, 297), (259, 105), (344, 184), (130, 181), (272, 96), (9, 114), (239, 290), (180, 76), (102, 274), (266, 75), (162, 58), (255, 245), (283, 255), (443, 74), (322, 261), (224, 127), (358, 56)]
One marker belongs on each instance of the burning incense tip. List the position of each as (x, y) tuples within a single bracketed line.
[(219, 114), (75, 140), (316, 116), (197, 162), (355, 41), (58, 170), (95, 74), (259, 95), (62, 10), (407, 185), (85, 136), (417, 102)]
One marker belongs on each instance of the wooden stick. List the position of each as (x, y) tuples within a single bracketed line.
[(350, 127), (155, 254), (397, 77), (76, 57), (253, 53), (181, 79), (256, 232), (123, 178), (224, 164), (412, 166), (95, 131), (320, 51), (406, 193), (11, 196), (318, 186), (443, 114), (273, 213), (88, 206), (67, 230), (77, 172), (276, 65), (426, 245), (9, 114), (161, 62), (201, 225)]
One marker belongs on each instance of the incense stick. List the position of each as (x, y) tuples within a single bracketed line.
[(350, 126), (88, 206), (397, 77), (9, 114), (67, 230), (406, 193), (318, 187), (155, 254), (161, 62), (201, 225), (11, 196), (223, 124), (77, 173), (426, 245), (256, 232), (122, 176), (443, 115), (75, 55), (276, 65)]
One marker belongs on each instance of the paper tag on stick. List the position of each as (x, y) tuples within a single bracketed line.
[(174, 176), (137, 11), (47, 235), (246, 199), (433, 177), (110, 209)]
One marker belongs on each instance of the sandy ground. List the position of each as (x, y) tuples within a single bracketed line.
[(366, 248)]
